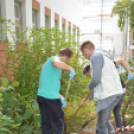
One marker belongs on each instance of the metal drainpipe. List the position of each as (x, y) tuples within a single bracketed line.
[(126, 38), (101, 24)]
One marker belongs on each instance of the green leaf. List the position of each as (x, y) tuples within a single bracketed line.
[(4, 81), (9, 88), (37, 118), (28, 130), (15, 84), (25, 96), (17, 125), (2, 88), (29, 105), (28, 114), (4, 129), (12, 101), (38, 131), (17, 119), (35, 106)]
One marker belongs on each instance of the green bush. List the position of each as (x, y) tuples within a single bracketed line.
[(128, 104), (26, 55), (124, 9), (18, 113)]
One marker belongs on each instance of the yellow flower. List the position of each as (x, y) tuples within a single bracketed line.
[(81, 81)]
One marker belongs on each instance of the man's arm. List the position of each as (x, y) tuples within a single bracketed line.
[(61, 65), (60, 96), (91, 96), (97, 65), (124, 64)]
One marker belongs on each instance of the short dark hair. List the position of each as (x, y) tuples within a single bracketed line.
[(65, 52), (86, 69), (87, 44)]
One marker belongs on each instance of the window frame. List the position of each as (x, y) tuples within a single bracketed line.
[(56, 25), (18, 5), (1, 33), (18, 21), (47, 21), (34, 12)]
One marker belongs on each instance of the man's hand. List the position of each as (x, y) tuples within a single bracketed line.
[(84, 101), (72, 74), (130, 76), (64, 103)]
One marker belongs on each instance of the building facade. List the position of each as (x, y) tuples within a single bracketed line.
[(65, 15), (62, 14), (102, 29)]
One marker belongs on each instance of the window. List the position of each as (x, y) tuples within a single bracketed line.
[(0, 9), (0, 23), (69, 34), (78, 36), (18, 17), (64, 30), (63, 27), (57, 24), (34, 18), (74, 32), (1, 30), (69, 30), (47, 21)]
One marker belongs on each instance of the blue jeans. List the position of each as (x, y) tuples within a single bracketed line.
[(103, 124), (110, 128), (116, 112)]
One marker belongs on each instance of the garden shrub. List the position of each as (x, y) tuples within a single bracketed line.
[(25, 57), (128, 104)]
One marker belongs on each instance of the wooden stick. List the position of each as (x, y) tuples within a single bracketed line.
[(77, 110), (67, 91), (127, 80), (87, 122)]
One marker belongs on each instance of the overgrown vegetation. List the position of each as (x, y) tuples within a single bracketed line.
[(124, 9), (25, 57), (128, 104), (19, 112)]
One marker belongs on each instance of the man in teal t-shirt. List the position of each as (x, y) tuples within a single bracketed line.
[(48, 92), (50, 78)]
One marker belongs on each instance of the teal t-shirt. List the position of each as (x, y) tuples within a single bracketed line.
[(50, 80)]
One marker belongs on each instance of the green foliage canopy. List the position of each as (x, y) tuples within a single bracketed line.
[(124, 9)]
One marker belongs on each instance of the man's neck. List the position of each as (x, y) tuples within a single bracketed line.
[(91, 54)]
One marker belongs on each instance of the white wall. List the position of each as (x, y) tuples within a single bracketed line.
[(112, 37), (29, 13), (71, 10)]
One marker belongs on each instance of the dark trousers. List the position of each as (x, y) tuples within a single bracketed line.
[(52, 115)]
